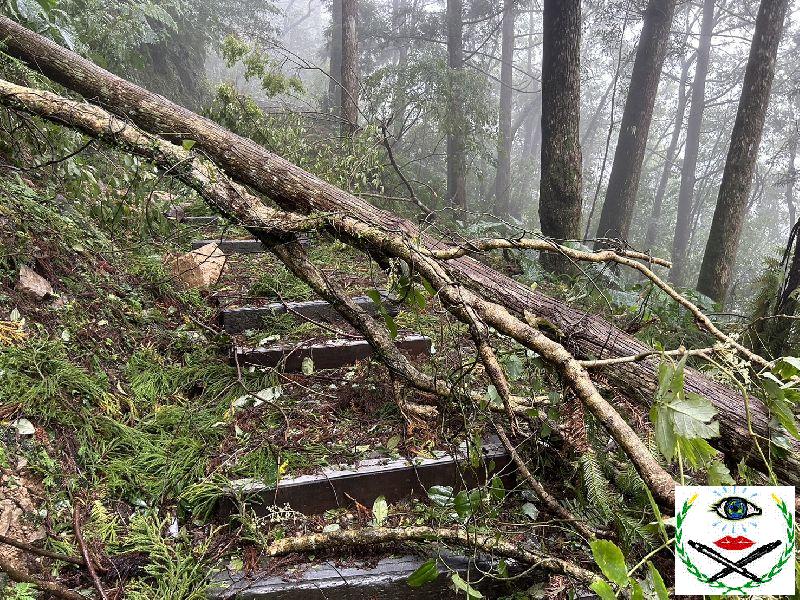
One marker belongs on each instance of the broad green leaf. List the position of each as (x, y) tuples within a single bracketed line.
[(514, 366), (787, 367), (425, 573), (665, 434), (691, 417), (188, 144), (602, 589), (307, 366), (658, 582), (502, 568), (636, 590), (696, 452), (530, 511), (441, 495), (380, 511), (462, 585), (496, 489), (611, 561), (718, 474), (393, 442), (466, 502)]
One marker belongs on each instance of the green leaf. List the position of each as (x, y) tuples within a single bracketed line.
[(514, 366), (530, 511), (496, 489), (665, 434), (691, 417), (188, 144), (425, 573), (441, 495), (787, 367), (307, 366), (602, 589), (611, 561), (465, 502), (380, 511), (465, 587), (718, 474), (658, 582), (502, 568), (636, 590)]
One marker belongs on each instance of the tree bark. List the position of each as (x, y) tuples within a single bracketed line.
[(623, 183), (294, 189), (560, 183), (335, 61), (726, 226), (680, 241), (791, 175), (350, 79), (669, 161), (456, 130), (502, 182)]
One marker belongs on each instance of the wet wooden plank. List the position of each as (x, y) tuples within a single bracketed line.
[(237, 320), (242, 246), (395, 479), (384, 580), (332, 354)]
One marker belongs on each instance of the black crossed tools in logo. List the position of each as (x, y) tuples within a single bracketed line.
[(734, 567)]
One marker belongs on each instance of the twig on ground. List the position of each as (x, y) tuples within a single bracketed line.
[(18, 575)]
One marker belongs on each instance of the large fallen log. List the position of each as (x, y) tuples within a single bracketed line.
[(296, 190)]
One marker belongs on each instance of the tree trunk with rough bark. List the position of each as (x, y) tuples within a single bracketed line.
[(350, 79), (335, 61), (623, 183), (456, 130), (680, 241), (502, 182), (669, 161), (560, 184), (294, 189), (726, 226)]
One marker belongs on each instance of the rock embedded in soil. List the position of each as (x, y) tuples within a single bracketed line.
[(198, 269), (32, 284)]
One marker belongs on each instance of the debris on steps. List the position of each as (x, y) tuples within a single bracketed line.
[(387, 579), (237, 320), (198, 269), (331, 354), (32, 284), (394, 479)]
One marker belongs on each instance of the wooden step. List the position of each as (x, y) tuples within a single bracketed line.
[(395, 479), (332, 354), (242, 246), (384, 580), (237, 320)]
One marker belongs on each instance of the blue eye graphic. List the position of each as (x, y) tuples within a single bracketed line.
[(735, 508)]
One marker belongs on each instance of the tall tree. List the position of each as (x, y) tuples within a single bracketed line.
[(623, 183), (350, 77), (335, 68), (726, 226), (791, 175), (669, 159), (680, 242), (560, 182), (456, 133), (502, 182)]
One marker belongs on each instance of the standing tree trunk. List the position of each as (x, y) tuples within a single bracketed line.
[(560, 183), (726, 226), (669, 161), (680, 242), (335, 68), (623, 183), (456, 131), (502, 182), (349, 66), (791, 176)]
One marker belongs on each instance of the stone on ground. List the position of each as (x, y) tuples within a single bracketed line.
[(198, 269), (33, 284)]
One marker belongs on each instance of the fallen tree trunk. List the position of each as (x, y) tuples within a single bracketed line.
[(296, 190)]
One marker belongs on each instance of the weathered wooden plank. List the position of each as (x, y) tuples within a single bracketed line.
[(236, 320), (395, 479), (332, 354), (386, 580), (242, 246)]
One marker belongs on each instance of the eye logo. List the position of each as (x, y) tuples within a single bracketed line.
[(735, 508), (736, 540)]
